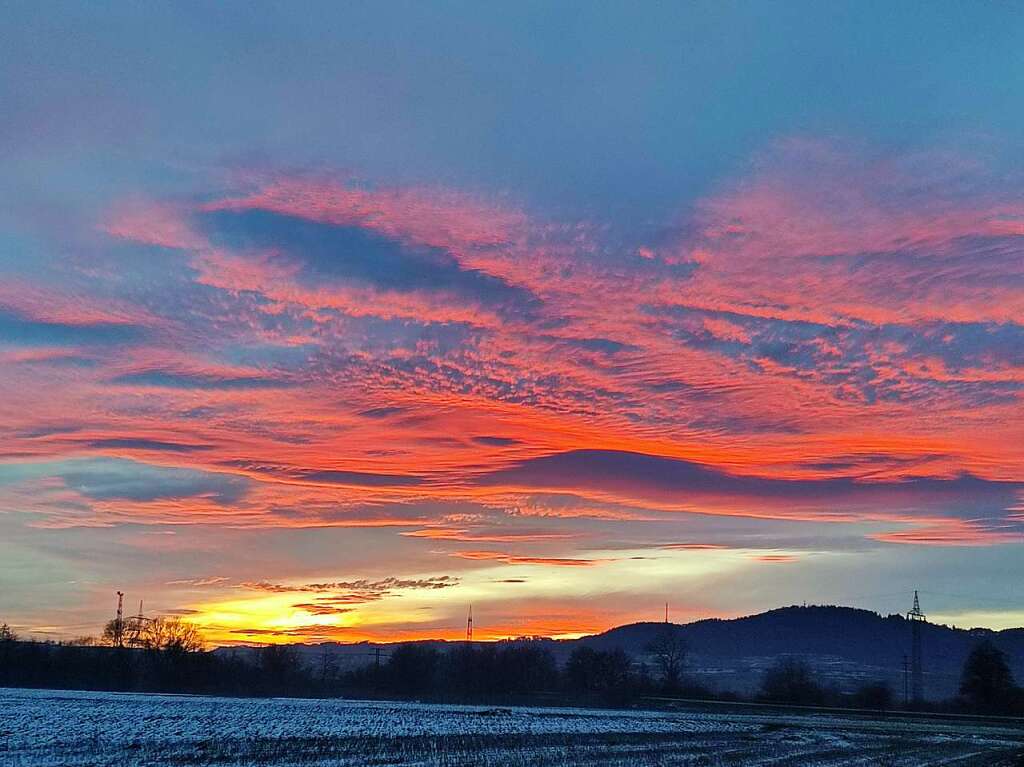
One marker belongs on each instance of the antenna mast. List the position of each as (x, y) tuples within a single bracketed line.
[(119, 621), (469, 625)]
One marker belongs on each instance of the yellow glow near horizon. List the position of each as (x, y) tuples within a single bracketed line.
[(535, 598), (980, 619), (230, 620)]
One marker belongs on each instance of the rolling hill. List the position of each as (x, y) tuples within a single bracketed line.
[(846, 646)]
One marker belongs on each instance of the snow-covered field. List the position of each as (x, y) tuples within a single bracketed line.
[(44, 727)]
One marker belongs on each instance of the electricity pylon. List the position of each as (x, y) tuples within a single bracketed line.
[(917, 620)]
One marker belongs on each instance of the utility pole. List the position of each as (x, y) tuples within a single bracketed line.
[(469, 625), (917, 620), (666, 612), (906, 680)]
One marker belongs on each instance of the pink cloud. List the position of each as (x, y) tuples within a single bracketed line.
[(800, 330)]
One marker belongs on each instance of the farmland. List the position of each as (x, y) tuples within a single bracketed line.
[(45, 728)]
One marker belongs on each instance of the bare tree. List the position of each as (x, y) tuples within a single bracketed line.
[(172, 633), (83, 641), (165, 633), (987, 684), (111, 632), (792, 680), (669, 651)]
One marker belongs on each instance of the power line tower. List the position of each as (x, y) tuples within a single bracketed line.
[(133, 632), (469, 625), (917, 620), (119, 621)]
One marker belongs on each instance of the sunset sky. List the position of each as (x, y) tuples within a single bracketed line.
[(326, 321)]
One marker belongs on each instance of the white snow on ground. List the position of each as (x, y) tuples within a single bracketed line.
[(39, 728), (31, 716)]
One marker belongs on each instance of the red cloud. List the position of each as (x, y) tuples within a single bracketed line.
[(828, 319)]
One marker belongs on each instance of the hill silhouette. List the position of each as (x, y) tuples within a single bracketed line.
[(845, 644), (846, 647)]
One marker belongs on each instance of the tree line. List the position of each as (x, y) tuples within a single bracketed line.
[(987, 687), (170, 659)]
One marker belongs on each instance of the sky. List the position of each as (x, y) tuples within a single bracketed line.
[(326, 322)]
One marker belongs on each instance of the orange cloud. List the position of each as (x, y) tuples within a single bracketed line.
[(511, 559), (832, 338), (447, 534)]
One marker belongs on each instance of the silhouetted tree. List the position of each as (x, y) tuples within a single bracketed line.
[(161, 633), (986, 683), (524, 667), (791, 681), (874, 695), (496, 671), (111, 631), (278, 667), (669, 651), (582, 671), (461, 672), (600, 673), (413, 669), (172, 634), (8, 645)]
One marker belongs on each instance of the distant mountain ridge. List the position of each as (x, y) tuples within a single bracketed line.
[(851, 632), (847, 646)]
